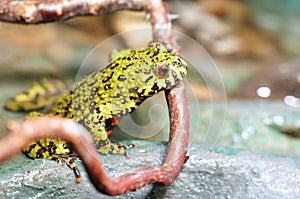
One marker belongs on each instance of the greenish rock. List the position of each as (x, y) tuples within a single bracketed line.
[(222, 174), (248, 124)]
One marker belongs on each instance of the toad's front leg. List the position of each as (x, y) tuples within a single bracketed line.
[(100, 132)]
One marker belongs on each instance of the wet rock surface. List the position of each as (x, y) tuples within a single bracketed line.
[(221, 173)]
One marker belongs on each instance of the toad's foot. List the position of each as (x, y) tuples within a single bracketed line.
[(106, 147), (70, 162)]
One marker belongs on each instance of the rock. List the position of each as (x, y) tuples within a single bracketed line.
[(221, 173)]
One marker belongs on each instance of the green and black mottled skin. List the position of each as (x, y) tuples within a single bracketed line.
[(104, 96)]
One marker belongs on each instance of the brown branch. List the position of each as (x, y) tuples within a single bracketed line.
[(161, 25), (33, 12), (22, 133), (176, 97)]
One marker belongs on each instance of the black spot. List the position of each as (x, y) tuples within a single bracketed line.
[(151, 93), (132, 98), (127, 66), (91, 97), (146, 72), (94, 89), (93, 104), (177, 80), (71, 161), (38, 143), (108, 124), (158, 45), (91, 83), (29, 150), (179, 61), (174, 74), (77, 107), (94, 74), (102, 143), (66, 145), (182, 74), (122, 78), (124, 101), (106, 79), (156, 52), (97, 110), (113, 65), (137, 71), (155, 87), (138, 103), (85, 100), (168, 83), (174, 63), (51, 148), (116, 96), (132, 90), (129, 58), (40, 152), (148, 78), (132, 109), (140, 94), (107, 86), (95, 123), (111, 149)]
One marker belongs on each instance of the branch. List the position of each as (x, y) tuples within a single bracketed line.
[(23, 133), (34, 12)]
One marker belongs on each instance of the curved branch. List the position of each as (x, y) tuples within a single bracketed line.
[(34, 12), (176, 98)]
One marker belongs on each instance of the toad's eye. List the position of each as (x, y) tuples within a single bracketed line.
[(162, 70)]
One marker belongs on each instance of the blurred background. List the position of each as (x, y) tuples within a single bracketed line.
[(254, 44)]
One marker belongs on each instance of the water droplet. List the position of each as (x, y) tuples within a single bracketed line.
[(263, 92), (292, 101), (278, 120)]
